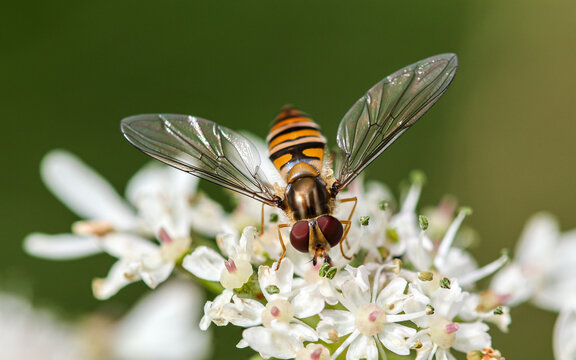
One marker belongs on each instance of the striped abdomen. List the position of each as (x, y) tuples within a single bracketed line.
[(295, 138)]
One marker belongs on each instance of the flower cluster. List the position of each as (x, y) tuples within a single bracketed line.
[(160, 326), (410, 287)]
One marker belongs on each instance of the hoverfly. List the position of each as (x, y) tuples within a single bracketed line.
[(296, 149)]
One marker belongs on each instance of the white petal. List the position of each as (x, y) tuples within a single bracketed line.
[(308, 302), (444, 354), (512, 285), (84, 191), (557, 289), (243, 312), (538, 240), (282, 278), (120, 275), (565, 335), (271, 342), (160, 273), (353, 295), (213, 310), (127, 245), (206, 216), (340, 320), (419, 251), (360, 275), (364, 347), (395, 338), (61, 246), (246, 243), (204, 263), (28, 333), (158, 180), (458, 262), (302, 332), (472, 336), (163, 325), (392, 297)]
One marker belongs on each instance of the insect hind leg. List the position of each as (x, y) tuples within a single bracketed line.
[(348, 222)]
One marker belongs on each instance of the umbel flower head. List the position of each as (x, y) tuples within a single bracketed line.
[(409, 289)]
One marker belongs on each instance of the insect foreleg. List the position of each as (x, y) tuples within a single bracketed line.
[(281, 226)]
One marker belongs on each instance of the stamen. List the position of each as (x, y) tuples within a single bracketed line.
[(484, 271), (448, 239), (164, 237), (230, 265), (316, 354), (275, 311), (452, 328)]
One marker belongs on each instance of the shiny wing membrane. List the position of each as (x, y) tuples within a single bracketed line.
[(387, 110), (202, 148)]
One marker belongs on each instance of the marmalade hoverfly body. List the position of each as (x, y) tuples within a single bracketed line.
[(305, 191)]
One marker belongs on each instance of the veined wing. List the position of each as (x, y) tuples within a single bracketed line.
[(204, 149), (387, 110)]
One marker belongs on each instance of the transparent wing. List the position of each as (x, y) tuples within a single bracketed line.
[(204, 149), (387, 110)]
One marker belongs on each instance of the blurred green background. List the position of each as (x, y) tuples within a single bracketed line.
[(501, 139)]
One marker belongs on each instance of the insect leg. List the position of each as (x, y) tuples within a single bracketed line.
[(262, 222), (349, 221), (281, 226)]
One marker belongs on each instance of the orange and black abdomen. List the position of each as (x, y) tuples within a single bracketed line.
[(295, 138)]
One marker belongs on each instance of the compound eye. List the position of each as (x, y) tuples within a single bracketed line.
[(331, 229), (300, 236)]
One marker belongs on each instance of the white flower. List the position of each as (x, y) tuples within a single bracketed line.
[(281, 334), (370, 318), (163, 325), (543, 268), (440, 332), (313, 352), (208, 264), (139, 259), (161, 197), (29, 334)]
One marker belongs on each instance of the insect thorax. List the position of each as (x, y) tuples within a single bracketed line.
[(307, 198)]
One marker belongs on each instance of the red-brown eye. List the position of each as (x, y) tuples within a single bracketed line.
[(300, 235), (331, 229)]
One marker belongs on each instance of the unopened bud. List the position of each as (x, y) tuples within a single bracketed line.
[(445, 283), (272, 289), (384, 205), (365, 220), (423, 221), (418, 177)]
